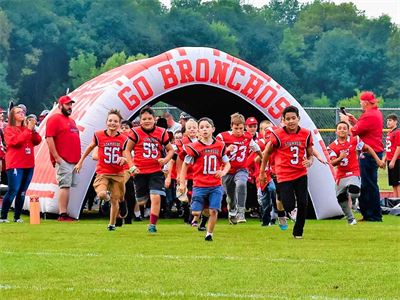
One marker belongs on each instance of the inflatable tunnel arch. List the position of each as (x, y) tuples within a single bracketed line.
[(200, 81)]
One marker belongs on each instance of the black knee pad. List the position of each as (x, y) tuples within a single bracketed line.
[(354, 191), (342, 197)]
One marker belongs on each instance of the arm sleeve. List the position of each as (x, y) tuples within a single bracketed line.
[(365, 123), (14, 138), (36, 138)]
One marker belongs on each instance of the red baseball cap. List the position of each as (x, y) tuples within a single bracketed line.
[(65, 99), (368, 96), (251, 121)]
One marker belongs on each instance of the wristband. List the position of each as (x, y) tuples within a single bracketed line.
[(132, 169)]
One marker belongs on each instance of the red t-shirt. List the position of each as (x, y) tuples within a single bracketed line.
[(148, 148), (349, 165), (290, 151), (237, 157), (110, 149), (66, 137), (254, 168), (369, 128), (207, 160), (392, 142), (20, 142)]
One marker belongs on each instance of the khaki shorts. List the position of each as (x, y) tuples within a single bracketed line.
[(66, 177), (113, 183)]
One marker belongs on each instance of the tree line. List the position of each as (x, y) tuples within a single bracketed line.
[(322, 53)]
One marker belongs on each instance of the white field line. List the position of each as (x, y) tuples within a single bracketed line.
[(158, 293), (171, 257)]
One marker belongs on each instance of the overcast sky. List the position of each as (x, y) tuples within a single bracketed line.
[(372, 8)]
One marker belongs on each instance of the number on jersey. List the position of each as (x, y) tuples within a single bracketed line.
[(150, 150), (209, 164), (111, 155)]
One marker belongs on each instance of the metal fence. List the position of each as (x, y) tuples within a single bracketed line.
[(324, 118)]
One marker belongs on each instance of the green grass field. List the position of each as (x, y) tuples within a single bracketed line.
[(82, 260)]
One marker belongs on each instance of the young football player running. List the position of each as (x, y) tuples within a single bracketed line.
[(110, 165), (148, 142), (206, 156), (392, 156), (293, 155), (343, 154), (238, 145)]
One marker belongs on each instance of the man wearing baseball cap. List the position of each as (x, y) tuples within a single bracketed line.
[(62, 137), (369, 127)]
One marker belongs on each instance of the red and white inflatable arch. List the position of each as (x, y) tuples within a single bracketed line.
[(131, 86)]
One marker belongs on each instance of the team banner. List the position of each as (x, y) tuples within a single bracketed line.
[(131, 86)]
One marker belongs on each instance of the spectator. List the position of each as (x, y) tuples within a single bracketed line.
[(369, 128), (251, 127), (62, 137), (20, 137), (43, 115), (3, 122), (172, 125)]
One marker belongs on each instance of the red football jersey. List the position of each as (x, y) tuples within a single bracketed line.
[(349, 165), (237, 157), (254, 168), (185, 141), (148, 148), (206, 161), (392, 142), (290, 150), (110, 149)]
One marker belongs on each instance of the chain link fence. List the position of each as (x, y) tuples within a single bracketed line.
[(324, 118)]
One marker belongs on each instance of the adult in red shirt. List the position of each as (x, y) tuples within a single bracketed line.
[(62, 137), (148, 141), (20, 137), (369, 127), (293, 155)]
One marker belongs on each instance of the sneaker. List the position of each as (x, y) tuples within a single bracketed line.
[(152, 228), (18, 221), (265, 224), (123, 209), (353, 222), (208, 238), (195, 224), (105, 207), (241, 218), (4, 221), (298, 237), (119, 222), (283, 223), (232, 220), (201, 228), (65, 218), (111, 227), (138, 219)]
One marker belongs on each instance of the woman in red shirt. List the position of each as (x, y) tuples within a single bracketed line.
[(20, 137)]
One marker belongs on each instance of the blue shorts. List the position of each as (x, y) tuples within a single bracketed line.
[(212, 194)]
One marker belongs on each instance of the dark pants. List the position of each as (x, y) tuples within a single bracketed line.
[(18, 182), (291, 192), (369, 200)]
